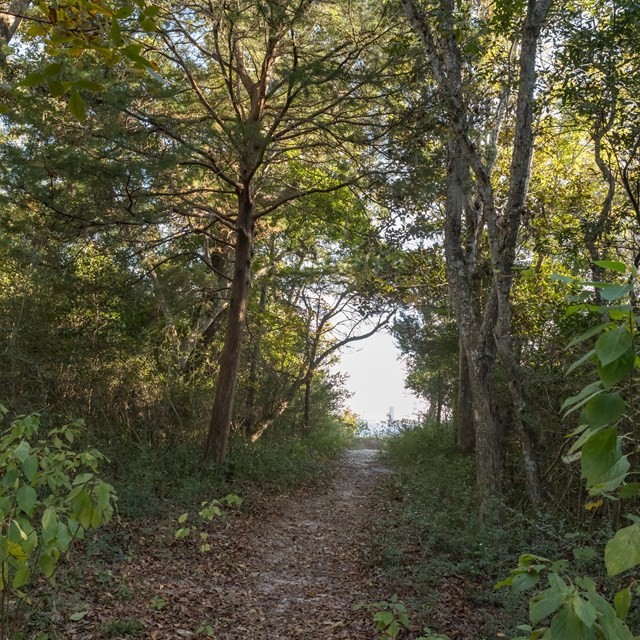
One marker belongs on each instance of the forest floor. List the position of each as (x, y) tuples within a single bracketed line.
[(285, 566)]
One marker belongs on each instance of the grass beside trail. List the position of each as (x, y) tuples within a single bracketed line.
[(151, 481), (433, 550)]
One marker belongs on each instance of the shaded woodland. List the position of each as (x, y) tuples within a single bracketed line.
[(202, 204)]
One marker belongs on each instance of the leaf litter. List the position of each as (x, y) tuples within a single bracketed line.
[(289, 565)]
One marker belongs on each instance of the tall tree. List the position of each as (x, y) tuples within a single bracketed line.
[(471, 203), (259, 84)]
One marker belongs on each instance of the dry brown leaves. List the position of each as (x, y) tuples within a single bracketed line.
[(287, 566)]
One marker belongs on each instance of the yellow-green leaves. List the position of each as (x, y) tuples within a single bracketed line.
[(77, 106)]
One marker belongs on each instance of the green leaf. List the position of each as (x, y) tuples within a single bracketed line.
[(89, 85), (6, 506), (183, 518), (26, 499), (629, 490), (77, 106), (83, 509), (148, 25), (30, 467), (623, 550), (49, 524), (78, 615), (582, 397), (21, 576), (580, 361), (32, 80), (602, 460), (383, 618), (47, 564), (546, 602), (566, 625), (83, 478), (615, 371), (588, 334), (584, 610), (604, 409), (115, 33), (57, 88), (63, 536), (613, 344), (53, 69), (124, 12), (612, 292), (613, 265), (524, 581), (622, 603), (22, 451)]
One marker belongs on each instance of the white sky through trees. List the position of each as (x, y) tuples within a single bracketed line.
[(376, 379)]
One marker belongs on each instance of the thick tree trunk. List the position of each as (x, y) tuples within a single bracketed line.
[(220, 427), (464, 414), (488, 435)]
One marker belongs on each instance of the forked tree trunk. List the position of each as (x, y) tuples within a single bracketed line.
[(217, 441)]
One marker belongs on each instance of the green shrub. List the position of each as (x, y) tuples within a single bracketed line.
[(49, 495), (432, 529)]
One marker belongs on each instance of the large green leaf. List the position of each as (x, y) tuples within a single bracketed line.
[(604, 409), (614, 265), (546, 602), (49, 524), (566, 625), (622, 603), (582, 396), (30, 466), (602, 460), (584, 610), (612, 344), (612, 292), (623, 550), (615, 371), (578, 363), (21, 576)]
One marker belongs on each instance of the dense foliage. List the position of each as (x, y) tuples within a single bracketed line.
[(202, 204)]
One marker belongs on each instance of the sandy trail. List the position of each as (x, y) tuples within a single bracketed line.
[(306, 569), (291, 570)]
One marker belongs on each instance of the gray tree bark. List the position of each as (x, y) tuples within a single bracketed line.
[(485, 327)]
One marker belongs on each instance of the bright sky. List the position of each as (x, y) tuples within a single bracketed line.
[(376, 379)]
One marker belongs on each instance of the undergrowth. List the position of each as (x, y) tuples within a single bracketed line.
[(150, 481), (433, 548)]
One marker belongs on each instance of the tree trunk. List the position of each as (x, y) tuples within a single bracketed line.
[(465, 426), (9, 22), (217, 441), (488, 435), (252, 384), (476, 332), (307, 402)]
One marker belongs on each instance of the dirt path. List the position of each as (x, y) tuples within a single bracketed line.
[(292, 570)]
